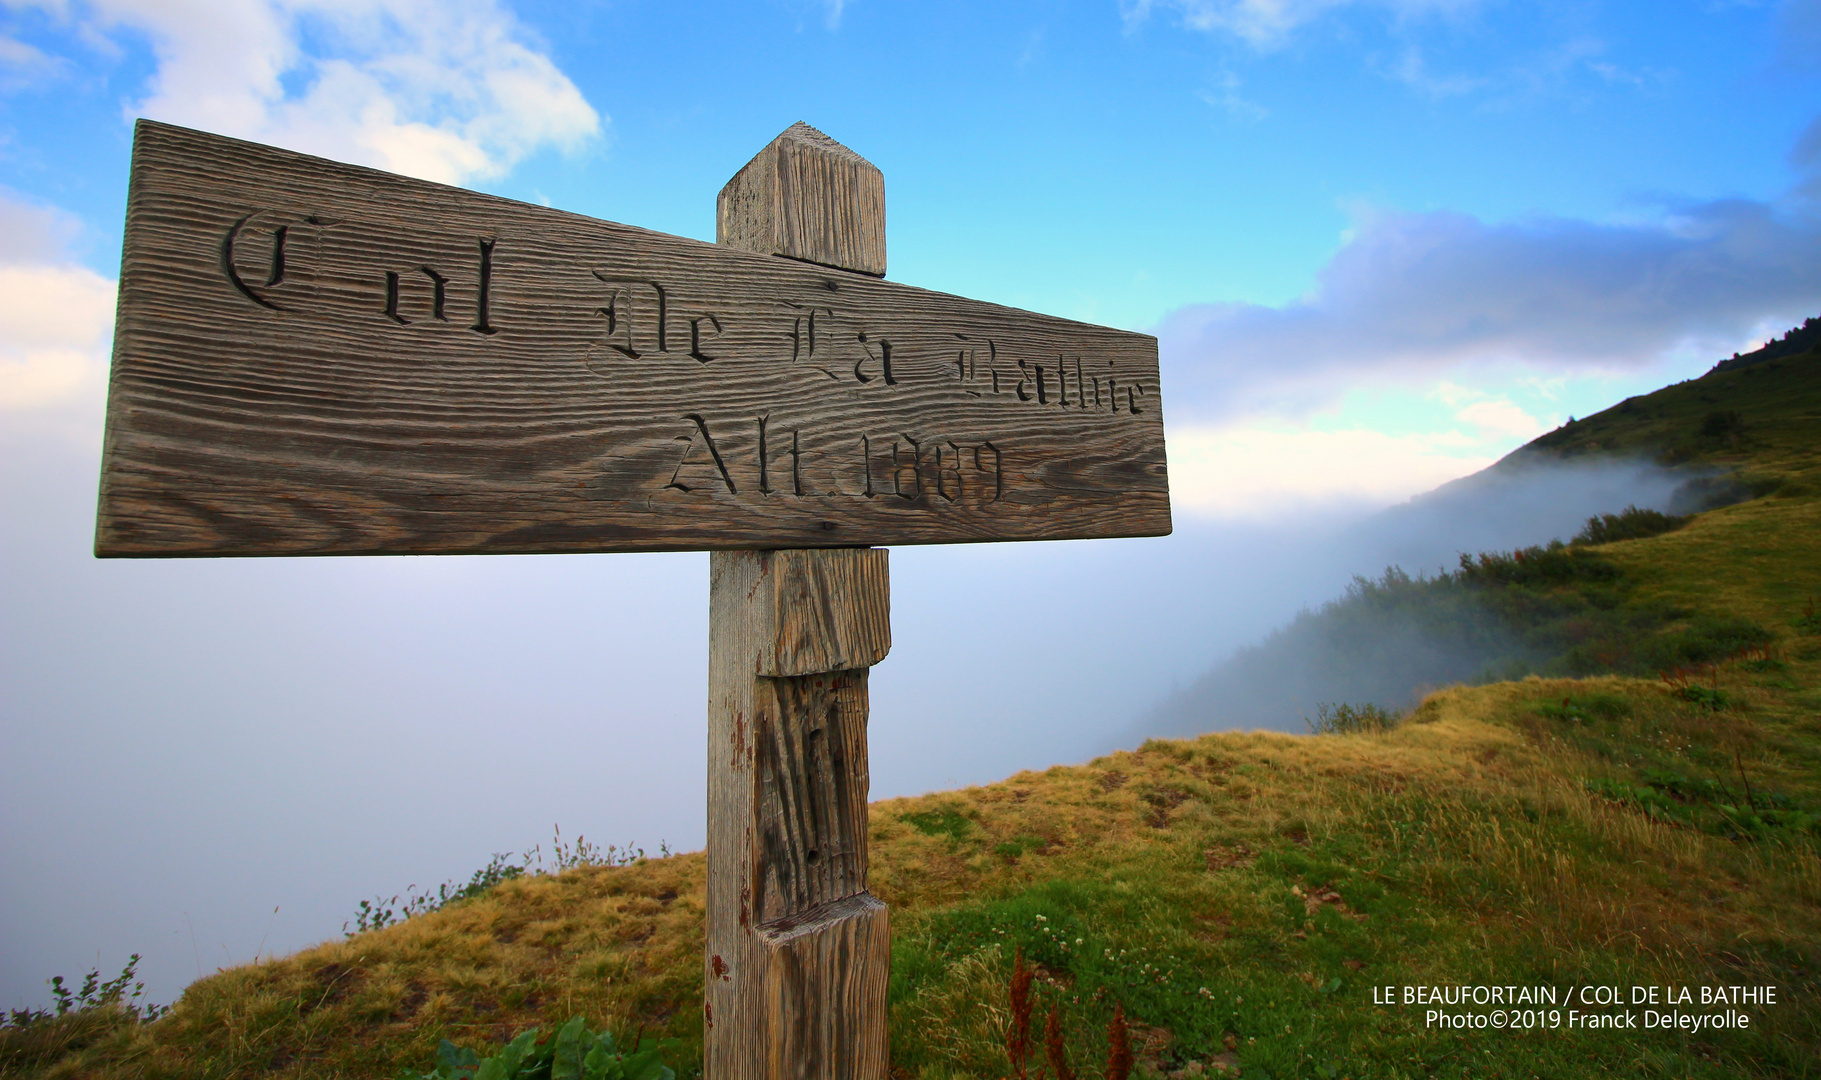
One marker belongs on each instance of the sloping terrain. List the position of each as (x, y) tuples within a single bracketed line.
[(1255, 903), (1729, 436)]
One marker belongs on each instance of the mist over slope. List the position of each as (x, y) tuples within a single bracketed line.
[(1393, 635), (1381, 644)]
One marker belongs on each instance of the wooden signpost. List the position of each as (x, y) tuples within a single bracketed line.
[(316, 358)]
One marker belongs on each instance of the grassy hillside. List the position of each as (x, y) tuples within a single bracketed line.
[(1760, 419), (1248, 900), (1589, 607)]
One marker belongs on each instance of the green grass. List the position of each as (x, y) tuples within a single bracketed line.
[(1771, 439), (1245, 898)]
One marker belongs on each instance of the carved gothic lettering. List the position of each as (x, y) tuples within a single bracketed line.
[(968, 366), (703, 438), (483, 301), (883, 358), (420, 294), (698, 334), (948, 474), (638, 316), (914, 469), (1132, 394), (259, 253), (995, 469)]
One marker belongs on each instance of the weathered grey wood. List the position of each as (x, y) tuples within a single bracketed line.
[(798, 953), (807, 197), (815, 947), (825, 987), (828, 614), (315, 358)]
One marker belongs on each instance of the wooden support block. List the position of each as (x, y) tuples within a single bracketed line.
[(825, 982), (828, 613), (798, 953), (807, 197)]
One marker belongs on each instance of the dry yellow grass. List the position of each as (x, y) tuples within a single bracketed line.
[(1189, 847)]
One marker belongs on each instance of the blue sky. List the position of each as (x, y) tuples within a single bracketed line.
[(1382, 243), (1613, 192)]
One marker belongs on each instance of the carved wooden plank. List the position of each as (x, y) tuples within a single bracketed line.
[(798, 953), (315, 358)]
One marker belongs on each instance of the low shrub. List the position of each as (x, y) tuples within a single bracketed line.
[(573, 1053), (1631, 523), (1345, 719)]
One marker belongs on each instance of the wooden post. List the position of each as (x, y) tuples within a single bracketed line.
[(313, 358), (798, 952)]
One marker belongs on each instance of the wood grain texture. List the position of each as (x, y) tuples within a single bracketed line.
[(797, 952), (813, 946), (805, 196), (825, 987), (812, 779), (314, 358), (830, 610)]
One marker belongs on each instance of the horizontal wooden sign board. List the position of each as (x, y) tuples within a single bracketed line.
[(315, 358)]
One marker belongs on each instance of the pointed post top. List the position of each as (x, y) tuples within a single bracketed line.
[(801, 132), (807, 197)]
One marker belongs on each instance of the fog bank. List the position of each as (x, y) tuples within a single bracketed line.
[(186, 745), (1372, 652)]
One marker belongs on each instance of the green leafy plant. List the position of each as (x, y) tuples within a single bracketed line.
[(947, 822), (573, 1053), (1345, 719), (1631, 523), (1708, 697), (93, 994), (1708, 805), (382, 911)]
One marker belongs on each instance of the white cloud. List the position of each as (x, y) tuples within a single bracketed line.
[(446, 90), (1493, 416), (1266, 24), (1499, 417), (1226, 96), (1412, 297), (1412, 69), (24, 65), (56, 318), (1254, 470)]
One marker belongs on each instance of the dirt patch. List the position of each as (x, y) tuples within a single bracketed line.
[(335, 981), (1162, 801), (415, 996), (1324, 896), (1149, 1045), (1228, 856)]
